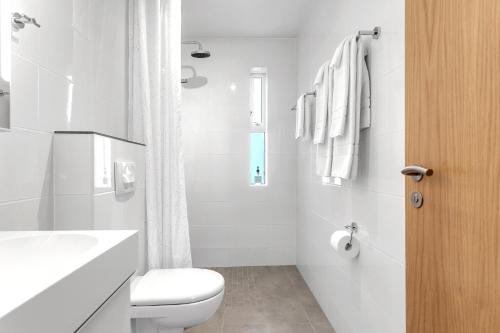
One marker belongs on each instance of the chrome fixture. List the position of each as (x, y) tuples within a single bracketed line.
[(194, 81), (417, 199), (4, 93), (200, 52), (375, 33), (353, 227), (19, 21), (417, 172), (311, 93)]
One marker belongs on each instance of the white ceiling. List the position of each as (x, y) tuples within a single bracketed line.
[(243, 18)]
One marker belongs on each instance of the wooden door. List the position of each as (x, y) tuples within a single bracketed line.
[(453, 127)]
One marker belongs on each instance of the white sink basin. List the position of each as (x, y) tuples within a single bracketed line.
[(50, 280), (35, 252)]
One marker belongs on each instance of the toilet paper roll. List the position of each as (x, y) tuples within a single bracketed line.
[(339, 241)]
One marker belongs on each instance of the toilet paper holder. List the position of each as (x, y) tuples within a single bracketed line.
[(353, 227)]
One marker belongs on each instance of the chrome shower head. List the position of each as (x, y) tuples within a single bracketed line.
[(200, 52)]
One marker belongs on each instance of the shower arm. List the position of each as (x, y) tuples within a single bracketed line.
[(193, 42)]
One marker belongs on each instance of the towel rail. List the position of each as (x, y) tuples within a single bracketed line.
[(375, 33), (311, 93)]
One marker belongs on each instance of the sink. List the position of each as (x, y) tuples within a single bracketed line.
[(50, 280), (32, 260), (42, 251)]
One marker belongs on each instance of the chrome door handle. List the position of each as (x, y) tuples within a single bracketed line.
[(417, 172), (4, 92)]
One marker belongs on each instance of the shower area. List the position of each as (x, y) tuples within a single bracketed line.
[(260, 211), (239, 148), (240, 159)]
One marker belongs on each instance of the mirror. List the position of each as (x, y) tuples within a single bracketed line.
[(5, 63)]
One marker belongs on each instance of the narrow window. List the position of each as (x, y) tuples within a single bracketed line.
[(256, 101), (258, 126)]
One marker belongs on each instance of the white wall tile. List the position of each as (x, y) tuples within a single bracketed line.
[(203, 257), (55, 107), (73, 164), (24, 94), (56, 39), (239, 224), (73, 212), (212, 237), (26, 168), (366, 294), (70, 74), (125, 212), (31, 214), (84, 200)]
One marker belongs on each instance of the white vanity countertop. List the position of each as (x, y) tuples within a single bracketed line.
[(58, 267)]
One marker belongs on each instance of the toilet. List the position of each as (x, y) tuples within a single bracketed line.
[(170, 300)]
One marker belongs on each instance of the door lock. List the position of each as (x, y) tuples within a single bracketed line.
[(417, 200)]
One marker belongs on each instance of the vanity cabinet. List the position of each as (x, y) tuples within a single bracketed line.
[(113, 315), (66, 281)]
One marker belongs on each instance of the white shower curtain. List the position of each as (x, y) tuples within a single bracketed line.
[(154, 116)]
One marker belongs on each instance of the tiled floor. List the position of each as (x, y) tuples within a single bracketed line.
[(266, 300)]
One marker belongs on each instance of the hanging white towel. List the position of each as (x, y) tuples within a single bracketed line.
[(309, 107), (346, 146), (304, 109), (365, 102), (321, 87), (324, 157), (339, 86), (300, 118), (338, 63)]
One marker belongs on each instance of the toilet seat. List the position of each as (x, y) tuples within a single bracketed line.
[(174, 299), (179, 315), (160, 287)]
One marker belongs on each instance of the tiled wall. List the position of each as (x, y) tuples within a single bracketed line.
[(71, 74), (365, 294), (84, 186), (233, 224)]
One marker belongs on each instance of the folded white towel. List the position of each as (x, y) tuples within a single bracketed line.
[(339, 86), (365, 99), (300, 117), (303, 117), (321, 87)]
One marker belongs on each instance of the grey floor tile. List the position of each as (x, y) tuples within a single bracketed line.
[(323, 328), (244, 315), (266, 299), (315, 314), (249, 328), (290, 328)]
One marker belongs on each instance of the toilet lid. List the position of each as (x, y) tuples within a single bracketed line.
[(176, 286)]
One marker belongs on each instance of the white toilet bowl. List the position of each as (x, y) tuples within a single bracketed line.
[(169, 300)]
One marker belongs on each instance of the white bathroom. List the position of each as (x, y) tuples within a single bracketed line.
[(248, 166)]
